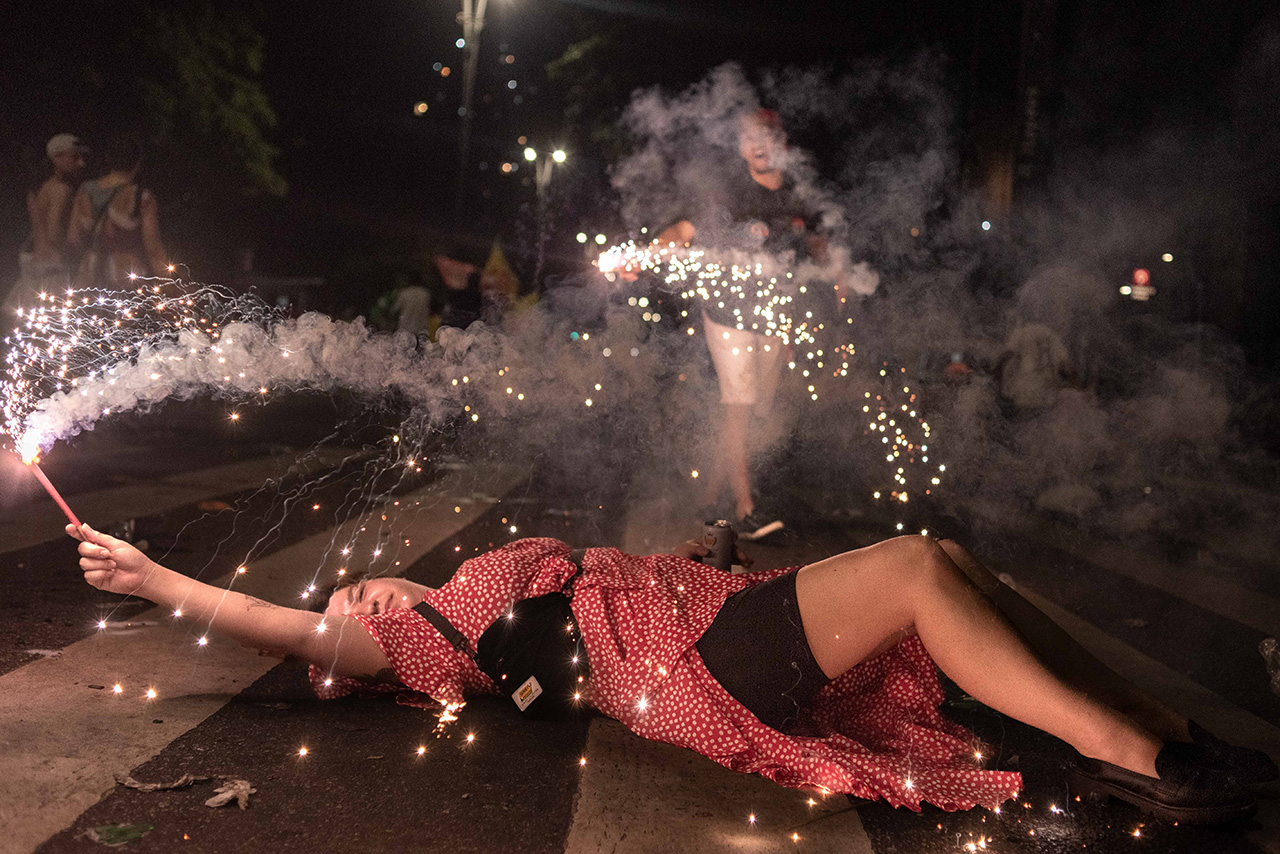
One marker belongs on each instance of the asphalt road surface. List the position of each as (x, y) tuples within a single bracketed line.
[(376, 777)]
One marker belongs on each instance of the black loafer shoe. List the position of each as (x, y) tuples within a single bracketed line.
[(1189, 789), (1245, 766)]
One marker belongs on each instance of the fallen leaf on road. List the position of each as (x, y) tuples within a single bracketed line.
[(118, 834), (1270, 650), (180, 783), (237, 790), (213, 506)]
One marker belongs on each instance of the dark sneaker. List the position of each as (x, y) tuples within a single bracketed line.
[(1245, 766), (1190, 788), (756, 526)]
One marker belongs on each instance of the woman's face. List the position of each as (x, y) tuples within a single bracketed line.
[(375, 596), (760, 145)]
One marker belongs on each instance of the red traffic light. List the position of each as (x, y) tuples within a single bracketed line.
[(1141, 276)]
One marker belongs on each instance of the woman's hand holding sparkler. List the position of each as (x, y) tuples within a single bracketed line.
[(334, 643), (111, 564)]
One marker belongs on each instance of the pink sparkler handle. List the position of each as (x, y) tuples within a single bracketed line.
[(44, 481)]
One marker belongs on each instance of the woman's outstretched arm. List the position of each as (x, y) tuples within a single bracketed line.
[(336, 644)]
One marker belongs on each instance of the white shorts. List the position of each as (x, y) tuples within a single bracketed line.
[(747, 363)]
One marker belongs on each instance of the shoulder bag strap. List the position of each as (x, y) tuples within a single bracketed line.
[(447, 629), (459, 641), (95, 231)]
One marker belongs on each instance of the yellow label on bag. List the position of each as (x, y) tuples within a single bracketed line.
[(527, 693)]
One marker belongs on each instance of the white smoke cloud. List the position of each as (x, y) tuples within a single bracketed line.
[(1133, 396), (1145, 395)]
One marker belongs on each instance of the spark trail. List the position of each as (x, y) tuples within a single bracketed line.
[(809, 317)]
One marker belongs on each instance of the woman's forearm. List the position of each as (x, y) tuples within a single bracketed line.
[(336, 644), (247, 619)]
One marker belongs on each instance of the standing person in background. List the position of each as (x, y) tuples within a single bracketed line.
[(50, 211), (115, 223), (763, 212), (477, 293), (464, 303), (413, 309), (1034, 367)]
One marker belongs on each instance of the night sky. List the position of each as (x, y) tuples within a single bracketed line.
[(373, 186), (345, 90)]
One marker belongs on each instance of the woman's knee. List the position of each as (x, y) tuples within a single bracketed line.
[(955, 551), (924, 563)]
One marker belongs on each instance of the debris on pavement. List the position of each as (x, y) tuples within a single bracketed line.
[(237, 790), (118, 834), (180, 783), (1270, 650), (213, 506)]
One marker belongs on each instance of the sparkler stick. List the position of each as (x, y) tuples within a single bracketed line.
[(44, 481)]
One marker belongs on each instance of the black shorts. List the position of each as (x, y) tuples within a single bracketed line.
[(756, 649)]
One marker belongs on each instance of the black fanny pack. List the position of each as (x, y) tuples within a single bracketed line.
[(533, 653)]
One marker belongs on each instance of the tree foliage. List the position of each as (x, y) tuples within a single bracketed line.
[(210, 94), (186, 73)]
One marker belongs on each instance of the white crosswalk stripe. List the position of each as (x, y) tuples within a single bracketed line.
[(637, 797), (42, 521), (57, 757), (1192, 699)]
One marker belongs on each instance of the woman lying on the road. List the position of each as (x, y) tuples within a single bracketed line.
[(822, 676)]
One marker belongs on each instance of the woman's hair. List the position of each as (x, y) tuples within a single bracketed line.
[(123, 151), (320, 599), (766, 118)]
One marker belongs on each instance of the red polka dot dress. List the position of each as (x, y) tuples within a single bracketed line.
[(875, 732)]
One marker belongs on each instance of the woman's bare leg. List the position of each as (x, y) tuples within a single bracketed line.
[(1066, 657), (731, 461), (852, 604)]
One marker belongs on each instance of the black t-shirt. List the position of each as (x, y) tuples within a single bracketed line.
[(727, 223), (787, 219)]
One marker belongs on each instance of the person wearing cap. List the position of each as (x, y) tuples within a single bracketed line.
[(50, 206)]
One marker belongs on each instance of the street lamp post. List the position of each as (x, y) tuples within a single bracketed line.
[(472, 18), (542, 183)]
